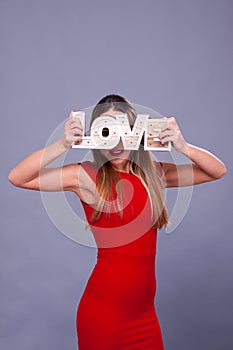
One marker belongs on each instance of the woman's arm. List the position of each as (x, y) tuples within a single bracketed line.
[(206, 166), (31, 173)]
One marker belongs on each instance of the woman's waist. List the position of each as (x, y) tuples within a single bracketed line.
[(141, 248), (125, 264), (127, 281)]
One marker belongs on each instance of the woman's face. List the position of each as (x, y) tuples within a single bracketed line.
[(117, 156)]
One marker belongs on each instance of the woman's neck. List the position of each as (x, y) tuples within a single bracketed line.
[(124, 168)]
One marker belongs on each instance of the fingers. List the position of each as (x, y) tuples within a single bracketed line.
[(168, 131), (167, 139), (75, 126), (170, 124), (74, 123), (171, 133), (73, 131)]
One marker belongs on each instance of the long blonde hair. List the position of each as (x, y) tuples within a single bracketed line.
[(140, 164)]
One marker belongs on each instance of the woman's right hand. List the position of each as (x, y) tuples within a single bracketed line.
[(73, 132)]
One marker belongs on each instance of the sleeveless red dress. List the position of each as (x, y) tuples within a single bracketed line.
[(116, 311)]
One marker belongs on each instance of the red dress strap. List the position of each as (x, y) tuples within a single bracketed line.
[(90, 169)]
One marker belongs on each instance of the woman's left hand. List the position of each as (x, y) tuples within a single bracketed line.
[(171, 132)]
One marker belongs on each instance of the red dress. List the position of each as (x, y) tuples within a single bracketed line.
[(116, 311)]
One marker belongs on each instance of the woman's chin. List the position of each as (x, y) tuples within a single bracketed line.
[(119, 162), (120, 157)]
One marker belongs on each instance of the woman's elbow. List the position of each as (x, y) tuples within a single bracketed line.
[(222, 171), (12, 178)]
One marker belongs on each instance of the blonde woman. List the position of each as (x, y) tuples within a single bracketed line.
[(122, 195)]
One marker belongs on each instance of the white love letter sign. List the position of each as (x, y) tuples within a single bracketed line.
[(106, 132)]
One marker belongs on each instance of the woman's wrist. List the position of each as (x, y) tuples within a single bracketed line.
[(185, 150), (62, 146)]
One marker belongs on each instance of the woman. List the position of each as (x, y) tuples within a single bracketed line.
[(122, 196)]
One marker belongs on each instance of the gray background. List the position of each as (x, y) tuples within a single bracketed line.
[(172, 56)]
